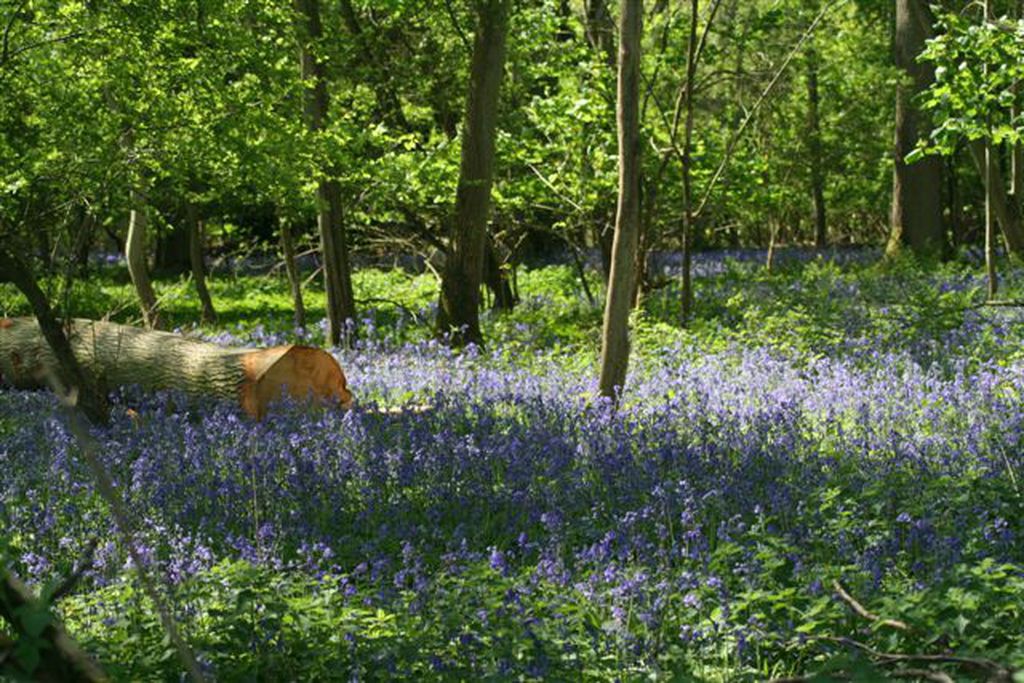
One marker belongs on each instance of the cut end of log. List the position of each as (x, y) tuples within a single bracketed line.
[(299, 371)]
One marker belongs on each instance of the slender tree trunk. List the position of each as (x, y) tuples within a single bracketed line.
[(615, 335), (173, 247), (459, 312), (645, 240), (497, 280), (90, 396), (814, 148), (1003, 206), (688, 227), (195, 257), (990, 188), (956, 223), (333, 240), (581, 270), (917, 188), (83, 240), (292, 268), (1017, 150), (605, 235), (135, 254), (601, 30)]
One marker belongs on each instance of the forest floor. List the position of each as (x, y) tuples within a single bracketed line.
[(821, 474)]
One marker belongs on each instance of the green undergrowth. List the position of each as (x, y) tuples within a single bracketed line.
[(806, 308)]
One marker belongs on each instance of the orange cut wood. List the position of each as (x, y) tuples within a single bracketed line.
[(301, 371), (120, 355)]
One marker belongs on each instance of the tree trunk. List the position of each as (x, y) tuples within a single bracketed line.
[(814, 149), (124, 355), (990, 219), (1017, 150), (333, 241), (601, 30), (292, 268), (1003, 206), (605, 237), (135, 254), (198, 265), (954, 198), (173, 255), (688, 227), (83, 240), (615, 335), (497, 280), (459, 312), (917, 188), (64, 367), (341, 306)]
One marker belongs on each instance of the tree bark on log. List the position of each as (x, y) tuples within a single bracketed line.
[(123, 355)]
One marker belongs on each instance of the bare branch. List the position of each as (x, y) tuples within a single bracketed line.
[(862, 611)]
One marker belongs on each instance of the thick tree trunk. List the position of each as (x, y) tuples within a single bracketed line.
[(124, 355), (917, 188), (195, 255), (333, 241), (1006, 211), (292, 268), (615, 335), (135, 254), (91, 397), (814, 149), (459, 312)]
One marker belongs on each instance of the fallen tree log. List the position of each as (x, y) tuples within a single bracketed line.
[(119, 355)]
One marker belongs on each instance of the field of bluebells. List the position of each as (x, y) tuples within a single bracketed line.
[(481, 516)]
